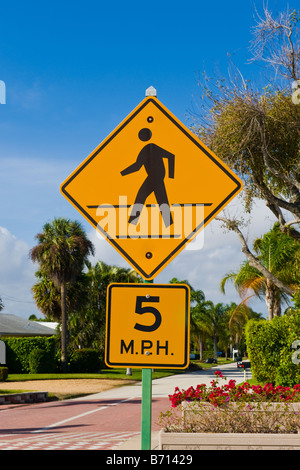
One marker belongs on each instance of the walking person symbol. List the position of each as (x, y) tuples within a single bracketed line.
[(151, 157)]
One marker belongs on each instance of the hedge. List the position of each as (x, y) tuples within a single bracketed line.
[(18, 351), (85, 360), (40, 362), (271, 349), (3, 373)]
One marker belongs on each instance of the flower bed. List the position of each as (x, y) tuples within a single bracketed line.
[(232, 416), (230, 392), (233, 408)]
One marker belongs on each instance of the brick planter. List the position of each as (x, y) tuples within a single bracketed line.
[(172, 440), (227, 441), (24, 397)]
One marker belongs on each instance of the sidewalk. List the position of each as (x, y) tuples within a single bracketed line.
[(166, 385)]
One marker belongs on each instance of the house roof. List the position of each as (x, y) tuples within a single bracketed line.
[(12, 325)]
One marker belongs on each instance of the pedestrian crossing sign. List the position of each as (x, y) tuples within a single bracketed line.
[(150, 187)]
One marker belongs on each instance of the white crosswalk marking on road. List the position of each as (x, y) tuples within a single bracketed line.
[(67, 441)]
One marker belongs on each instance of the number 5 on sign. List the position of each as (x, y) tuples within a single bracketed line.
[(147, 326)]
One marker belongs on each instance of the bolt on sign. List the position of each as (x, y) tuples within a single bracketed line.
[(150, 187), (147, 325)]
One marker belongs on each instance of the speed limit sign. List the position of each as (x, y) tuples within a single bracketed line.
[(147, 326)]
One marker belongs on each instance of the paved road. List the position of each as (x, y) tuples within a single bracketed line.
[(106, 420)]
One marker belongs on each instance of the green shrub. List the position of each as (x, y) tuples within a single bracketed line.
[(288, 372), (264, 342), (85, 360), (207, 354), (3, 373), (40, 362), (19, 349), (270, 349)]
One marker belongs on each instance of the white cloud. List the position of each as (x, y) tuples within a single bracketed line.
[(16, 275), (11, 252)]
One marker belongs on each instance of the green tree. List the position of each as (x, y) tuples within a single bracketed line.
[(280, 254), (238, 317), (87, 321), (256, 131), (61, 252), (46, 296), (201, 329), (216, 318)]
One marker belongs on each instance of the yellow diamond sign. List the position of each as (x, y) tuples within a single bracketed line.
[(150, 187)]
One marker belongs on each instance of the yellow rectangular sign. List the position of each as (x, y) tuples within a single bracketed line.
[(147, 326)]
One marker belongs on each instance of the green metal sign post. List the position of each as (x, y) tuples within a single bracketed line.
[(146, 409), (146, 406)]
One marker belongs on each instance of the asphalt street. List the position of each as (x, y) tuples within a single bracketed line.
[(109, 420)]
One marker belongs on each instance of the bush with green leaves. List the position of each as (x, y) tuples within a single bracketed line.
[(85, 360), (19, 349), (3, 373), (40, 362), (271, 347)]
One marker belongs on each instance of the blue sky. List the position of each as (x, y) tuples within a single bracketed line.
[(73, 71)]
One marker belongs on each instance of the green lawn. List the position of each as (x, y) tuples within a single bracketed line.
[(110, 374), (119, 374)]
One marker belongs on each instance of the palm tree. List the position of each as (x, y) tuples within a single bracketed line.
[(217, 318), (61, 252), (47, 297), (200, 327), (88, 321), (100, 276), (280, 254)]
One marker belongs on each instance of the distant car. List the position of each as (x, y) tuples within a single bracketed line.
[(244, 364), (211, 360)]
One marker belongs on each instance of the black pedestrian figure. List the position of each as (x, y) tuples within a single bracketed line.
[(151, 156)]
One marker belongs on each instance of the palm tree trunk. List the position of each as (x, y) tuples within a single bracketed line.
[(277, 307), (215, 346), (200, 348), (64, 328), (270, 299)]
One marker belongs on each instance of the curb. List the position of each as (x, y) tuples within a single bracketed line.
[(24, 397)]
